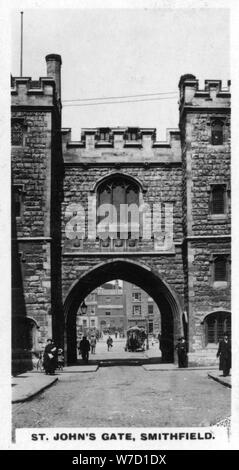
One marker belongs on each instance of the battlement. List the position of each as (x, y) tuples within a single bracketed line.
[(120, 137), (213, 95), (46, 91)]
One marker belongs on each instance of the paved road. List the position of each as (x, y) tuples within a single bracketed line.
[(127, 396)]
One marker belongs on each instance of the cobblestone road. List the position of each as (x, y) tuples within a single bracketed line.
[(127, 396)]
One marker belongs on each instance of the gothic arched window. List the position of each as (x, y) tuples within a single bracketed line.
[(118, 200)]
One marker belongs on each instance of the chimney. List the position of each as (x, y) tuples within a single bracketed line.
[(53, 63)]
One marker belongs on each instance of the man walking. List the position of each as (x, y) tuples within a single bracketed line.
[(84, 348)]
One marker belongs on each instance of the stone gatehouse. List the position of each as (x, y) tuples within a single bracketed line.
[(67, 241)]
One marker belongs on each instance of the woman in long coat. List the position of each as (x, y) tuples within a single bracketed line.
[(224, 354), (50, 357)]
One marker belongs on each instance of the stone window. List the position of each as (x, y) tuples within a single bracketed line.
[(17, 200), (218, 199), (136, 309), (220, 270), (217, 132), (17, 133), (215, 325), (120, 194)]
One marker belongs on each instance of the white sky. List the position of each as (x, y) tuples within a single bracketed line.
[(115, 52)]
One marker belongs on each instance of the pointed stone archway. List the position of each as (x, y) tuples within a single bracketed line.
[(135, 273)]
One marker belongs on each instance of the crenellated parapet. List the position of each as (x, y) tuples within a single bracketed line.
[(120, 138), (212, 96), (28, 92)]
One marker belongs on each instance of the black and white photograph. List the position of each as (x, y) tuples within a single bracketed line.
[(119, 311)]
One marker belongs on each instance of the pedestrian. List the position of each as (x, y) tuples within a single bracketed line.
[(84, 348), (60, 359), (50, 357), (109, 342), (224, 354), (181, 348), (93, 344)]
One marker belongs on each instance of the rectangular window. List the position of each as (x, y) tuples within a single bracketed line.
[(17, 133), (150, 309), (136, 296), (84, 322), (92, 323), (107, 313), (218, 199), (17, 200), (136, 309), (217, 132), (220, 268)]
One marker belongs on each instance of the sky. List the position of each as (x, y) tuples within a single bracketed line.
[(123, 52)]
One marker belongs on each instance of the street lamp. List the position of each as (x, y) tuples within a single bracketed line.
[(83, 308)]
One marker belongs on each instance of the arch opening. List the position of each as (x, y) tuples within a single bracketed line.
[(135, 273)]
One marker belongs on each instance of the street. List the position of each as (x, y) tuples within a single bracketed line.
[(126, 396)]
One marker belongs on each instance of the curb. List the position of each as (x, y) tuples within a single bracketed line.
[(219, 380), (30, 396)]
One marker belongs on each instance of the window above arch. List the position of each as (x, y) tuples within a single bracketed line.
[(120, 195)]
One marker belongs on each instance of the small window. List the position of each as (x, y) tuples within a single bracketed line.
[(132, 134), (107, 313), (150, 309), (92, 323), (218, 199), (84, 322), (217, 132), (104, 135), (136, 309), (17, 133), (17, 200), (220, 268), (136, 296)]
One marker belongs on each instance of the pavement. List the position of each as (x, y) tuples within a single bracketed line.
[(29, 384)]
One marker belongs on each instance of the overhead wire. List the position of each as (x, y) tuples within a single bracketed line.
[(119, 102), (120, 97)]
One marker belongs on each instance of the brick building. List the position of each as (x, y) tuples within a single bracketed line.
[(105, 310), (141, 309), (64, 247)]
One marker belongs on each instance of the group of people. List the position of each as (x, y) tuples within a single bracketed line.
[(223, 353), (53, 358), (89, 345)]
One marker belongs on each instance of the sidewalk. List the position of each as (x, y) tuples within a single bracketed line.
[(27, 385), (217, 375)]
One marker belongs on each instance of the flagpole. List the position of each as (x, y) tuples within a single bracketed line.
[(21, 43)]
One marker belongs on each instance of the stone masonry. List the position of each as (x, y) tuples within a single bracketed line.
[(55, 176)]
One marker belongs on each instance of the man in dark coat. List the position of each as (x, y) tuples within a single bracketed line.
[(84, 348), (181, 348), (224, 354), (50, 357)]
